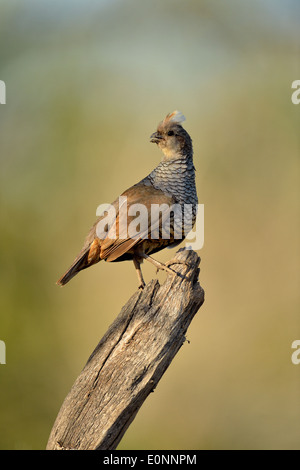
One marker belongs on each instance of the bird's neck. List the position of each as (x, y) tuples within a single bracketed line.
[(174, 168), (173, 176)]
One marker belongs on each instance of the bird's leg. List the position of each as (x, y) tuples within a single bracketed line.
[(157, 264), (137, 266)]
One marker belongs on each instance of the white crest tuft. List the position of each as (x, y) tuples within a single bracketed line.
[(176, 117)]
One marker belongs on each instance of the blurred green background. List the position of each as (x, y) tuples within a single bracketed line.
[(87, 83)]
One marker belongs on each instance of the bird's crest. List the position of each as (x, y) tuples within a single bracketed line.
[(176, 117)]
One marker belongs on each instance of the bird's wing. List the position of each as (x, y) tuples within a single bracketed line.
[(139, 224)]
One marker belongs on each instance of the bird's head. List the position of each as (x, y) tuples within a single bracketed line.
[(171, 138)]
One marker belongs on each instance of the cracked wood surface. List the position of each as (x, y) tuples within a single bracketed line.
[(129, 361)]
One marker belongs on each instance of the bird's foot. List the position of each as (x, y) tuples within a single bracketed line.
[(159, 265), (177, 261)]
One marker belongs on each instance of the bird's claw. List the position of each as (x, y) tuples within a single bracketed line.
[(176, 261)]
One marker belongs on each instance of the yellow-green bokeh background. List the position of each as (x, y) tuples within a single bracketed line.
[(87, 82)]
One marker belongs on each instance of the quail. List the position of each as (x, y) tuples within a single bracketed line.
[(170, 189)]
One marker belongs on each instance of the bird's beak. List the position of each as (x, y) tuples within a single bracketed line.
[(156, 137)]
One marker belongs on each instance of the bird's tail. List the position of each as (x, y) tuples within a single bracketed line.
[(81, 262)]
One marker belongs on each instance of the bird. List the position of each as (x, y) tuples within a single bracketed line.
[(170, 189)]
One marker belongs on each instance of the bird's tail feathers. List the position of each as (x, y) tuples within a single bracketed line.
[(81, 262)]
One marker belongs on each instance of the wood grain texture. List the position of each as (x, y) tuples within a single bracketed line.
[(129, 361)]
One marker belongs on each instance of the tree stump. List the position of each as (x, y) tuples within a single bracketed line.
[(129, 361)]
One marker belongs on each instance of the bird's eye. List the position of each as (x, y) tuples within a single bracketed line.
[(171, 133)]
